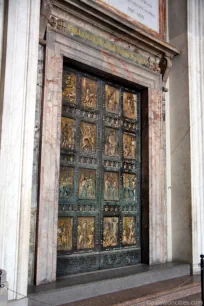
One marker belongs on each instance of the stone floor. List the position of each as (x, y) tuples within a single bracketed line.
[(109, 283), (194, 299), (177, 291)]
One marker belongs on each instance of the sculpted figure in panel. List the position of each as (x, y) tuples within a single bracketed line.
[(69, 87), (129, 186), (110, 232), (87, 137), (129, 146), (112, 99), (129, 230), (66, 183), (87, 184), (85, 233), (64, 234), (68, 129), (111, 186), (88, 93), (111, 142), (129, 105)]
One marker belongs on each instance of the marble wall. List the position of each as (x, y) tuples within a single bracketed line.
[(2, 8), (196, 97), (180, 135), (17, 134)]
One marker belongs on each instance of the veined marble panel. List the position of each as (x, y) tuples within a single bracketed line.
[(36, 159), (17, 140), (196, 95), (49, 170)]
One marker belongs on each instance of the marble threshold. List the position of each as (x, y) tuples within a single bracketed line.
[(89, 285), (160, 293)]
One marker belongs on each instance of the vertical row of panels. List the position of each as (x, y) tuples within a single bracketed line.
[(99, 185)]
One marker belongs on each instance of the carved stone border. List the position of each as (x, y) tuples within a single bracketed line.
[(97, 13), (58, 47)]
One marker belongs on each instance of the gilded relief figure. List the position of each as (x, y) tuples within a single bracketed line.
[(88, 93), (111, 186), (66, 183), (129, 105), (68, 129), (110, 231), (112, 99), (64, 234), (69, 87), (129, 146), (85, 233), (87, 184), (111, 142), (129, 186), (87, 137), (129, 230)]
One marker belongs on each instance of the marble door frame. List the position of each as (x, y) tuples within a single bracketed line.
[(59, 46)]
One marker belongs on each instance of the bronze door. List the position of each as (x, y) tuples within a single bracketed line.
[(99, 184)]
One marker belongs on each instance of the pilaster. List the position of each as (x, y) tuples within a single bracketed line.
[(196, 94), (49, 169), (19, 95)]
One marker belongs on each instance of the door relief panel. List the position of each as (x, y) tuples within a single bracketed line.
[(111, 186), (129, 231), (112, 99), (129, 146), (99, 184), (129, 105), (88, 93), (85, 233), (129, 186), (87, 184), (69, 87), (110, 232), (68, 128), (64, 234), (111, 142), (66, 183), (87, 137)]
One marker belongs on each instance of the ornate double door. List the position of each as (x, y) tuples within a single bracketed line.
[(99, 183)]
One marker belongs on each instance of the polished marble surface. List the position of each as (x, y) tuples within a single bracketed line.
[(149, 293), (101, 275)]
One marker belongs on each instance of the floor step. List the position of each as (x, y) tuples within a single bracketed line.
[(159, 293), (105, 282)]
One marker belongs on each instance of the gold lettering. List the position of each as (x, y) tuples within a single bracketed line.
[(114, 48), (105, 44), (69, 28), (81, 33), (88, 35), (99, 41), (75, 31), (94, 40), (109, 45)]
